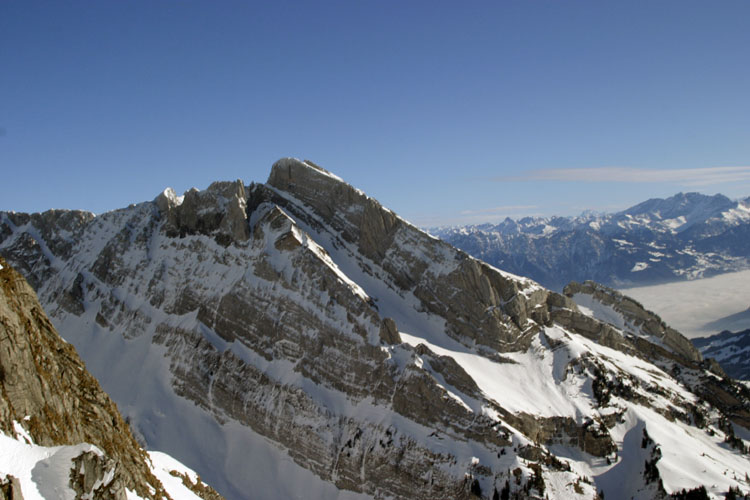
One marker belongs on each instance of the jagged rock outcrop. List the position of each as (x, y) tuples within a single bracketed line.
[(91, 475), (302, 320), (634, 318), (218, 211), (10, 488)]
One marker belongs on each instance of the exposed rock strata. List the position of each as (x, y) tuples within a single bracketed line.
[(291, 310), (640, 321)]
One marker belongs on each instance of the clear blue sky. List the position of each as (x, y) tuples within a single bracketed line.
[(445, 111)]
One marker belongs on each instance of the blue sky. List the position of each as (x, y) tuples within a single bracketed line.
[(447, 112)]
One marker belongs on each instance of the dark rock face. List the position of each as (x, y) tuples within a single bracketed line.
[(88, 477), (10, 488), (389, 332), (218, 211)]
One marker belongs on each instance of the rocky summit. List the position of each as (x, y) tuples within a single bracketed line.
[(297, 339)]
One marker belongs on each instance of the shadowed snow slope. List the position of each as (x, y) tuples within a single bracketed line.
[(313, 344)]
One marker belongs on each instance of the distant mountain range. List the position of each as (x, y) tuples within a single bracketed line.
[(686, 236)]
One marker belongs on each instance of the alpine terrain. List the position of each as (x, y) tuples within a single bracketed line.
[(687, 236), (60, 434), (296, 339)]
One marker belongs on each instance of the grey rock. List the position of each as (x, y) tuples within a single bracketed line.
[(10, 488), (388, 332), (89, 473), (219, 211)]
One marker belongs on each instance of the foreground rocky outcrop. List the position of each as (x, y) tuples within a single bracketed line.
[(49, 398), (300, 323)]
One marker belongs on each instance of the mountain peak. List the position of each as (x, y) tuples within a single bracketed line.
[(291, 169), (682, 204)]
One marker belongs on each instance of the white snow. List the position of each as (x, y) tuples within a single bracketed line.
[(543, 373), (738, 215), (690, 457), (22, 433), (676, 223), (162, 465), (639, 266), (44, 472), (172, 196), (597, 310)]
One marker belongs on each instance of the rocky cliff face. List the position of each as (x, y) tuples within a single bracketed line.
[(300, 323)]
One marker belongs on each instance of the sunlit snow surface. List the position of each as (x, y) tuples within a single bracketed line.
[(540, 384), (44, 471)]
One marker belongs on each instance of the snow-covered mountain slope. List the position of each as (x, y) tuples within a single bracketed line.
[(313, 344), (61, 437), (730, 349), (687, 236)]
